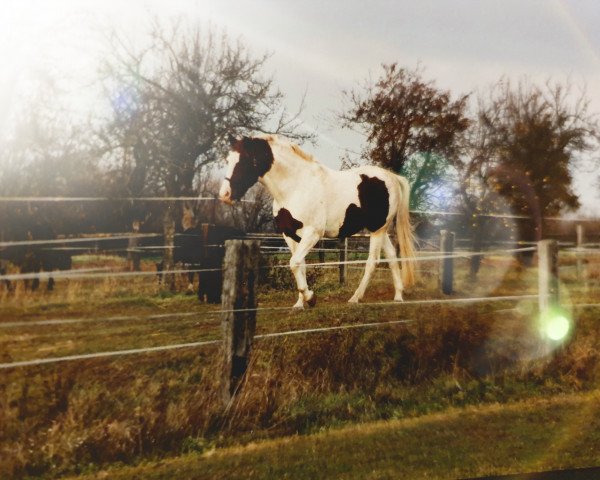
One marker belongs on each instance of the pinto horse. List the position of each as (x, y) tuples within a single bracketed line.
[(311, 201)]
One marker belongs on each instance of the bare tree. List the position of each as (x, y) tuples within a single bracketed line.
[(175, 101), (522, 150), (411, 126)]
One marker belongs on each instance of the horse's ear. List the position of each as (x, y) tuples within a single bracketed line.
[(232, 140)]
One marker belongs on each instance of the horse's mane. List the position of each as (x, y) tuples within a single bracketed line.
[(302, 154), (285, 143)]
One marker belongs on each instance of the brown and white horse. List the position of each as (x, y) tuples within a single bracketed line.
[(311, 201)]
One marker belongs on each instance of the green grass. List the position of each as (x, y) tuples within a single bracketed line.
[(534, 435)]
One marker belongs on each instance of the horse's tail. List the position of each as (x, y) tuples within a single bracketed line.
[(405, 235)]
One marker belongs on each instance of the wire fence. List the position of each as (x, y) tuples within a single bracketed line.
[(204, 315), (212, 313), (66, 199), (288, 333), (271, 335), (93, 273), (90, 274), (61, 199), (162, 348), (92, 239), (80, 274)]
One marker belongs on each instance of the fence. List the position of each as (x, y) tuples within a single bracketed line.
[(239, 306), (239, 310)]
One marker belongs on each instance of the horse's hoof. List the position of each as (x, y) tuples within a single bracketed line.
[(312, 301), (353, 300), (298, 306), (398, 298)]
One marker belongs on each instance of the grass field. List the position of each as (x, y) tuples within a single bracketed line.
[(476, 365), (527, 436)]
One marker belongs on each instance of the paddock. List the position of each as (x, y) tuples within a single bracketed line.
[(107, 329)]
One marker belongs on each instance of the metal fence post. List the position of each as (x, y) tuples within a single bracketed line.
[(548, 274), (343, 258), (447, 264), (238, 321)]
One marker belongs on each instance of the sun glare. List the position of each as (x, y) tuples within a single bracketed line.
[(38, 39)]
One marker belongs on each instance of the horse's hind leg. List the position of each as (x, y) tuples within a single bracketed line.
[(375, 245), (390, 253)]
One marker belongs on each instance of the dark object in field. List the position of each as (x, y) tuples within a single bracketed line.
[(34, 258), (203, 248), (3, 265)]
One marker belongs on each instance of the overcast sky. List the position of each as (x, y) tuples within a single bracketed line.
[(322, 47)]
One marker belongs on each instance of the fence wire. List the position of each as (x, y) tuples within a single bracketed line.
[(88, 356), (54, 241), (212, 313), (79, 274)]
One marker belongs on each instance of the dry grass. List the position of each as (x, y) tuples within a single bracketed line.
[(75, 417)]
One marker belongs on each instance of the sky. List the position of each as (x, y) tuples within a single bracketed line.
[(319, 49)]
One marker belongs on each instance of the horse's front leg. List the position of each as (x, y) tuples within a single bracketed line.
[(298, 266), (190, 277), (293, 245)]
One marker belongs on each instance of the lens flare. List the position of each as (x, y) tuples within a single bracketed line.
[(555, 325), (558, 328)]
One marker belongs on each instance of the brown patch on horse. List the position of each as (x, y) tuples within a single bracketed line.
[(374, 207), (256, 159), (288, 225)]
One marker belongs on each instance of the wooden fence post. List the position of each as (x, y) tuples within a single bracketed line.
[(548, 274), (447, 264), (238, 321), (580, 235), (343, 246), (580, 240), (134, 256), (169, 243)]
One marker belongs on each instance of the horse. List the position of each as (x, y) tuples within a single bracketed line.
[(312, 201), (201, 247)]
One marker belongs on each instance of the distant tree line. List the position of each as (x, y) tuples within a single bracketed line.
[(168, 103), (513, 150)]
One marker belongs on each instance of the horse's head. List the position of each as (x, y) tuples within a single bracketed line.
[(248, 161)]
